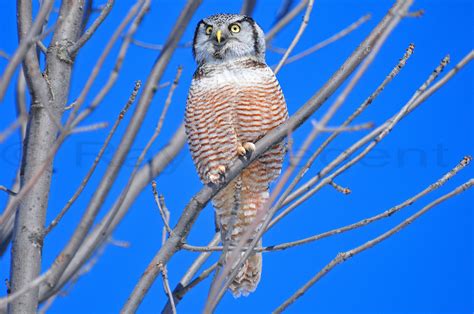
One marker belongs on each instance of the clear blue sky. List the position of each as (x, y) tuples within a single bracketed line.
[(425, 268)]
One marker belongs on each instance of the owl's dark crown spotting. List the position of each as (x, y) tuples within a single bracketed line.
[(225, 37)]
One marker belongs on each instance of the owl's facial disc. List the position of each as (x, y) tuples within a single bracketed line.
[(223, 38)]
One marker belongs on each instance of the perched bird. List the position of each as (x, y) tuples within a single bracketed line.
[(233, 101)]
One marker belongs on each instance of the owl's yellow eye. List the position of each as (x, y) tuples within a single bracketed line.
[(234, 28), (208, 30)]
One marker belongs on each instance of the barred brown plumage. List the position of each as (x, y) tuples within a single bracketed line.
[(234, 99)]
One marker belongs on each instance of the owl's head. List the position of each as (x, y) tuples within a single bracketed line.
[(225, 37)]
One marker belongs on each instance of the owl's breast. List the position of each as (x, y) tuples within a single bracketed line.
[(228, 106)]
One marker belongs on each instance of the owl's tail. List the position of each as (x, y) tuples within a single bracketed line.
[(237, 207)]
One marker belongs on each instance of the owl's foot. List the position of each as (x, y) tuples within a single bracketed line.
[(245, 148), (218, 177)]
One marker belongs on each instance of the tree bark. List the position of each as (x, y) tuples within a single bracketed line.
[(49, 93)]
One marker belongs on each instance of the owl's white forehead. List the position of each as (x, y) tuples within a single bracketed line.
[(223, 18)]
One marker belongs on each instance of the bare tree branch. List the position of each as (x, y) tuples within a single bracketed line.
[(264, 218), (247, 7), (119, 60), (341, 34), (297, 38), (89, 128), (340, 129), (158, 203), (166, 230), (342, 257), (309, 189), (7, 190), (166, 286), (91, 30), (57, 269), (193, 208), (20, 104), (8, 215), (100, 62), (185, 289), (27, 32), (112, 171), (4, 55), (86, 179), (4, 134), (49, 92), (50, 100), (410, 201), (388, 213), (355, 114), (184, 284), (157, 47), (104, 228), (285, 20)]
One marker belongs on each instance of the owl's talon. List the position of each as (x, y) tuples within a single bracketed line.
[(245, 149), (214, 178), (217, 175), (241, 150), (221, 169), (249, 147)]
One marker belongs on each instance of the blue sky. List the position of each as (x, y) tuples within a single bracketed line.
[(425, 268)]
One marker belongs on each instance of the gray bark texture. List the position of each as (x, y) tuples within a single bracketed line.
[(49, 93)]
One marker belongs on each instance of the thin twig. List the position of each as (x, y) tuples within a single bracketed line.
[(341, 34), (25, 43), (166, 230), (160, 208), (205, 273), (47, 305), (4, 55), (86, 179), (7, 190), (151, 140), (376, 136), (161, 120), (166, 286), (343, 156), (343, 128), (72, 120), (285, 20), (84, 226), (342, 257), (393, 73), (339, 188), (92, 29), (297, 37), (10, 129), (90, 128), (185, 281), (157, 47), (416, 14), (42, 47), (104, 228), (120, 56), (410, 201)]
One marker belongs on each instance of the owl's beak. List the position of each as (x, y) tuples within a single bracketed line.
[(219, 36)]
